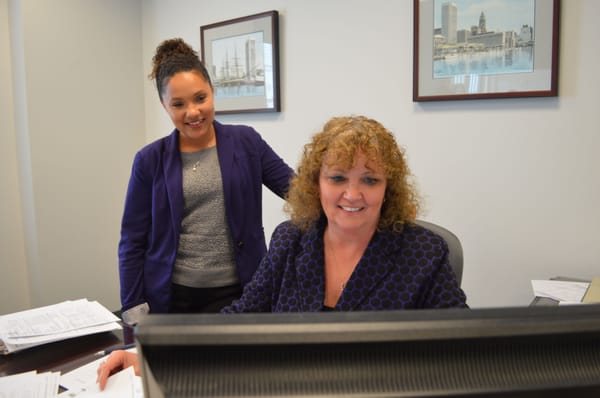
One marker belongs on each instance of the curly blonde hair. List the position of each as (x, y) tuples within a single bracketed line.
[(339, 142)]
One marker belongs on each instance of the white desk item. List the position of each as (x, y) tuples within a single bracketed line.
[(561, 291), (29, 328), (29, 385)]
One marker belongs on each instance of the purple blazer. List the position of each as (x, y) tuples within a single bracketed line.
[(406, 270), (154, 206)]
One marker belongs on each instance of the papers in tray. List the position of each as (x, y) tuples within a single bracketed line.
[(562, 291), (30, 328)]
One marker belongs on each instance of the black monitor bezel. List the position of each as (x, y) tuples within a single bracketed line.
[(319, 327)]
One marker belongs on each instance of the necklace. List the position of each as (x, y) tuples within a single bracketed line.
[(195, 166)]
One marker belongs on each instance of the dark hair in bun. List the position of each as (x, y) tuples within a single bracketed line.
[(173, 56)]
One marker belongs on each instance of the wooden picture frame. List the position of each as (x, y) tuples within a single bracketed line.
[(242, 59), (463, 50)]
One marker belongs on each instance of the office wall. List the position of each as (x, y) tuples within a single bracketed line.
[(517, 180), (76, 80), (14, 293)]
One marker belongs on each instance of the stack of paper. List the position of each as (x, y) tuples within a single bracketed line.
[(65, 320), (565, 292)]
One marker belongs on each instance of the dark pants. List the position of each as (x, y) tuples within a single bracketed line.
[(208, 300)]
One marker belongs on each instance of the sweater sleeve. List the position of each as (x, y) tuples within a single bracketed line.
[(276, 173)]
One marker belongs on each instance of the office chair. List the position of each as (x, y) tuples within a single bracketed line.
[(455, 252)]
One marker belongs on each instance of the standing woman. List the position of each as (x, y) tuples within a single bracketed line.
[(192, 233)]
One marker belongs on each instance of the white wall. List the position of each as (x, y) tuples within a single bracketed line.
[(14, 293), (78, 117), (516, 179)]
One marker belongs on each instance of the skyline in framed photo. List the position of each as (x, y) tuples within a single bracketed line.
[(483, 37), (475, 49)]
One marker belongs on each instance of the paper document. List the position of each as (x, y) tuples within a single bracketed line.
[(82, 379), (21, 330), (124, 384), (30, 385), (562, 291)]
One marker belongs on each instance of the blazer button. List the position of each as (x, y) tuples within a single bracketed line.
[(241, 244)]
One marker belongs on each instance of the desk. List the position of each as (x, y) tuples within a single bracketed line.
[(64, 355)]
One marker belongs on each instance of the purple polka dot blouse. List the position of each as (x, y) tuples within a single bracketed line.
[(405, 270)]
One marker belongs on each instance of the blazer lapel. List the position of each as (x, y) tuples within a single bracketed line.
[(173, 178)]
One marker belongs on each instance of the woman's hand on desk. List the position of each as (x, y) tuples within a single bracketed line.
[(115, 362)]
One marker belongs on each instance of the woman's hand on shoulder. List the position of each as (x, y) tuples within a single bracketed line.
[(116, 361)]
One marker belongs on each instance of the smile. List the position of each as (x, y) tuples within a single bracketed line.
[(351, 209), (195, 123)]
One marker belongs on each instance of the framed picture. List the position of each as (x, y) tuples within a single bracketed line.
[(242, 58), (470, 49)]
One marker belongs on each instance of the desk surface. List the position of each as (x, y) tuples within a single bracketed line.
[(64, 355)]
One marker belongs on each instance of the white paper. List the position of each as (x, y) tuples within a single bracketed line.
[(36, 340), (60, 321), (562, 291), (30, 385), (82, 379), (124, 384), (570, 303)]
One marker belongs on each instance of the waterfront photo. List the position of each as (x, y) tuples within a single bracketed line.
[(476, 49), (483, 37), (242, 58), (238, 67)]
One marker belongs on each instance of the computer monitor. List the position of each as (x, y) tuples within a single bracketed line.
[(494, 352)]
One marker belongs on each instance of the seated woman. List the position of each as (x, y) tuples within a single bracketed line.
[(350, 243)]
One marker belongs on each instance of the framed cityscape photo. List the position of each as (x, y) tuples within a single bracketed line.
[(471, 49), (242, 58)]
